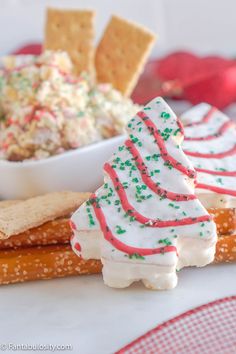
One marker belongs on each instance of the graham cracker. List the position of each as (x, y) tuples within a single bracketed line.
[(122, 53), (73, 32), (7, 203), (34, 212)]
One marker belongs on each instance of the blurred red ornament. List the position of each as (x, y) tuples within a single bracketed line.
[(217, 89), (176, 66), (33, 49), (183, 75)]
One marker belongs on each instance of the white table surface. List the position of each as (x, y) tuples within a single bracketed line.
[(95, 319)]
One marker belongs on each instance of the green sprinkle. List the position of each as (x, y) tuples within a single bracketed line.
[(166, 133), (221, 169), (119, 230), (128, 163), (176, 131), (142, 226), (165, 115), (165, 241), (174, 206), (219, 180), (135, 180), (168, 164), (136, 256)]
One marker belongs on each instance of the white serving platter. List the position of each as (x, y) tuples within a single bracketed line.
[(94, 319)]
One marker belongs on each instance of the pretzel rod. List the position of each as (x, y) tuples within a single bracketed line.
[(45, 262), (59, 232), (225, 220), (51, 233)]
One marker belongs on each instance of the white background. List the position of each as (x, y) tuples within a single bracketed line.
[(204, 26)]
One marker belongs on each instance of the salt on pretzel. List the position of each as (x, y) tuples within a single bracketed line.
[(226, 249), (34, 263), (225, 220)]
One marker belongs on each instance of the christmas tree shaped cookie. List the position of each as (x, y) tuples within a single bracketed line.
[(210, 144), (145, 221)]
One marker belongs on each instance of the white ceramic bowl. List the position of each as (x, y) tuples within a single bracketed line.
[(77, 170)]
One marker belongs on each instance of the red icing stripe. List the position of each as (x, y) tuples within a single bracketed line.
[(128, 208), (205, 118), (219, 155), (120, 245), (220, 132), (216, 189), (181, 127), (217, 173), (147, 179), (72, 225), (164, 154)]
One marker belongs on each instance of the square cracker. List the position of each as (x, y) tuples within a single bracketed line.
[(122, 53), (72, 31), (34, 212), (7, 203)]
